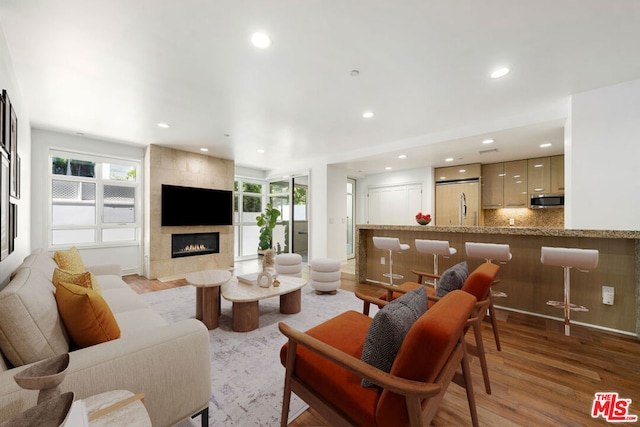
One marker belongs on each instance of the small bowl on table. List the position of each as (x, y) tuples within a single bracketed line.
[(423, 221)]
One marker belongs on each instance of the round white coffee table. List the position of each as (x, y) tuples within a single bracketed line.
[(207, 284)]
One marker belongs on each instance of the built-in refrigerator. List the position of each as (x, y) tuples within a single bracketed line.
[(458, 203)]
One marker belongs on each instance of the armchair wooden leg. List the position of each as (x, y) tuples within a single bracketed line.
[(286, 398), (481, 356), (365, 308), (468, 385), (494, 325)]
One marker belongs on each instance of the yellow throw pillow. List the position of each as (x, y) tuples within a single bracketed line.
[(70, 260), (86, 315), (86, 279)]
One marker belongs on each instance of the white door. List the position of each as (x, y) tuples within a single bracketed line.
[(394, 205)]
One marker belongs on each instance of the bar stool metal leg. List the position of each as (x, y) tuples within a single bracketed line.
[(567, 258)]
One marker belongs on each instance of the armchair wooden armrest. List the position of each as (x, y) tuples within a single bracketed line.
[(409, 388), (368, 299), (422, 274)]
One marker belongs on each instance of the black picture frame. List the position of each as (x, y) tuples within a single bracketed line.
[(3, 148), (13, 153), (13, 226), (4, 207), (6, 128)]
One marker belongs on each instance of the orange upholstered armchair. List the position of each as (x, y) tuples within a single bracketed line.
[(477, 284), (324, 367)]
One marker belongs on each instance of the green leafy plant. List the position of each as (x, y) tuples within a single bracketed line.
[(267, 222)]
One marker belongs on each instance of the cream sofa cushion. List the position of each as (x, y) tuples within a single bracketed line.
[(30, 327)]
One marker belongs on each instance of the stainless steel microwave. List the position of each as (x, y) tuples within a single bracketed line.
[(546, 201)]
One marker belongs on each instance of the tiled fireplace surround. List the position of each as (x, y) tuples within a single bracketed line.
[(175, 167)]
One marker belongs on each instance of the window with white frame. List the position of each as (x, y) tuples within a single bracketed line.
[(249, 202), (94, 200)]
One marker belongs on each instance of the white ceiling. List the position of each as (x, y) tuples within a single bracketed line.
[(114, 69)]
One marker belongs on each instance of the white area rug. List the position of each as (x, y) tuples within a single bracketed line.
[(247, 376)]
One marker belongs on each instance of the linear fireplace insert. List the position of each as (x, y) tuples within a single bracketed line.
[(192, 244)]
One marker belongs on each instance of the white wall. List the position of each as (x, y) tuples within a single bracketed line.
[(9, 82), (318, 216), (129, 257), (337, 213), (603, 184), (423, 176)]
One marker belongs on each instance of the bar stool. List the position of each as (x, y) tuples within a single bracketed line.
[(390, 244), (499, 252), (435, 247), (583, 260)]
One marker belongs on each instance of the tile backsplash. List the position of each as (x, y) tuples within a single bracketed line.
[(535, 218)]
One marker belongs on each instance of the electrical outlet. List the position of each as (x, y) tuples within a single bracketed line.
[(512, 221), (608, 293), (382, 260)]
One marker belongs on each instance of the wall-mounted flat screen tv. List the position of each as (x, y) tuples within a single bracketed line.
[(196, 206)]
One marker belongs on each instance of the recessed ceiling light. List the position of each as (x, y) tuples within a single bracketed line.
[(367, 114), (261, 40), (449, 159), (388, 168), (260, 150), (488, 141), (402, 156), (355, 73), (204, 150), (500, 72), (545, 145), (163, 125)]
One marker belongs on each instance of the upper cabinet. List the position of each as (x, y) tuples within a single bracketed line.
[(557, 174), (457, 173), (539, 175), (546, 175), (515, 184), (504, 185), (493, 186)]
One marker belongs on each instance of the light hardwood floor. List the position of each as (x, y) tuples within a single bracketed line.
[(540, 378)]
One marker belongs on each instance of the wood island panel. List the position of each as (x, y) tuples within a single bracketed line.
[(527, 282)]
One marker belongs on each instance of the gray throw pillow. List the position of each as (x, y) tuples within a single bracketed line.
[(452, 279), (389, 327)]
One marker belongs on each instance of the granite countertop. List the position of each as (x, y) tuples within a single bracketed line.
[(521, 231)]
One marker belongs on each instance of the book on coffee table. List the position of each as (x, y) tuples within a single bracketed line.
[(250, 279)]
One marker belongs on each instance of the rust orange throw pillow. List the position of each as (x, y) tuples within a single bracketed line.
[(86, 315)]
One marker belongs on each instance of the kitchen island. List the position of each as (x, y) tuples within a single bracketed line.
[(527, 282)]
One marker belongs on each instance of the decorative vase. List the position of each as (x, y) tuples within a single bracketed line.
[(45, 376), (264, 279)]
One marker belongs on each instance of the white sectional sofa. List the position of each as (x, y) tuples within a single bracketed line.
[(169, 363)]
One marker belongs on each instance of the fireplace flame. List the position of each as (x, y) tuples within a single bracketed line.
[(194, 248)]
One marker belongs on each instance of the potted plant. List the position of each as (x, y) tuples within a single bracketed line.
[(267, 222)]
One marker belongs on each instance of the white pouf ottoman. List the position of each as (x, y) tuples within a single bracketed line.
[(289, 264), (325, 275)]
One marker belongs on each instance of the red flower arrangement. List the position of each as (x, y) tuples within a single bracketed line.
[(423, 219)]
